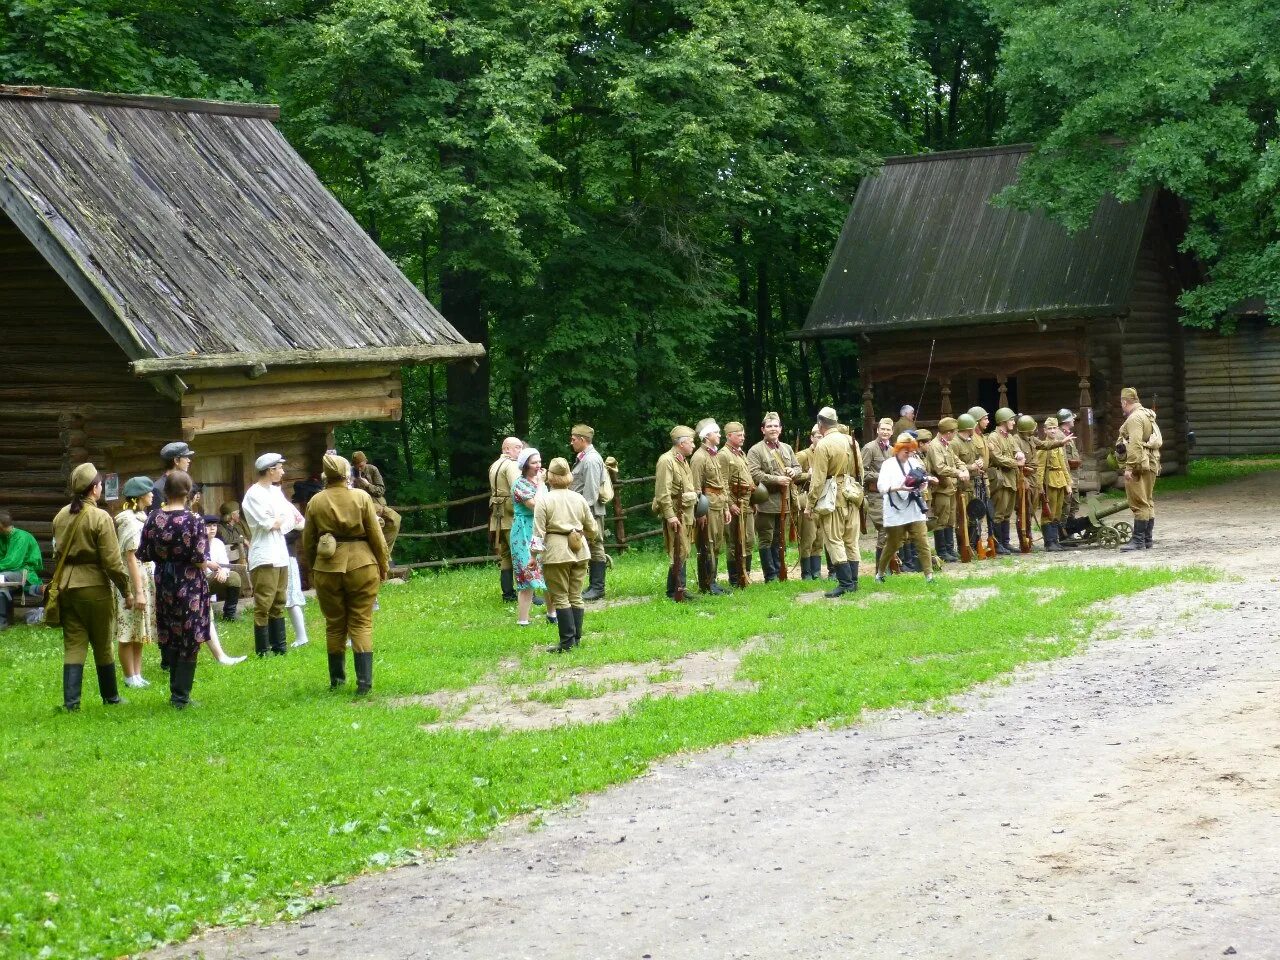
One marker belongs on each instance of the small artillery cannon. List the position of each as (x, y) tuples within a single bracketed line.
[(1090, 529)]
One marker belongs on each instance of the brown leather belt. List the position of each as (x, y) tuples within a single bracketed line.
[(713, 491)]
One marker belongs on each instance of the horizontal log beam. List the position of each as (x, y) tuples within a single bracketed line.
[(423, 353)]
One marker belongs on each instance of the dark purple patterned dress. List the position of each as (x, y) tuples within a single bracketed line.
[(178, 544)]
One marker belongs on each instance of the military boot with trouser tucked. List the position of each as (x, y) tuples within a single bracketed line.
[(337, 669), (364, 672), (595, 576), (1139, 539)]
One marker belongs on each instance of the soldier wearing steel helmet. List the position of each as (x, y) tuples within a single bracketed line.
[(941, 461), (1004, 460), (972, 457), (1027, 443)]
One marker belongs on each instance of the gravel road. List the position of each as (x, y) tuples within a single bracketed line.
[(1124, 802)]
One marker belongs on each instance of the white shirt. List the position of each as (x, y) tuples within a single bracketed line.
[(261, 507), (898, 509), (218, 552)]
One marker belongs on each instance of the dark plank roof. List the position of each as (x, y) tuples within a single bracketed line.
[(923, 247), (197, 231)]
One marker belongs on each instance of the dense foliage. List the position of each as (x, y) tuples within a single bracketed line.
[(630, 203)]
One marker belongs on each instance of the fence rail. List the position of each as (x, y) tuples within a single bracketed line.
[(620, 514)]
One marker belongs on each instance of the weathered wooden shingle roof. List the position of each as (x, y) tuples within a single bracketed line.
[(923, 247), (199, 237)]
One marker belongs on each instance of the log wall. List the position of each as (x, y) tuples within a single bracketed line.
[(1233, 389)]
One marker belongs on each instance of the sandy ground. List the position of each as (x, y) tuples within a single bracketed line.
[(1124, 802)]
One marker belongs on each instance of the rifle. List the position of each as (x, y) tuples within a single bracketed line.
[(966, 555), (785, 529), (1024, 513)]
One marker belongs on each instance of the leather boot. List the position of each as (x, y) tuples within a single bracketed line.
[(844, 581), (779, 558), (766, 565), (72, 680), (229, 611), (1139, 539), (733, 573), (277, 636), (508, 578), (364, 673), (181, 677), (1002, 539), (261, 640), (716, 589), (1051, 538), (940, 544), (595, 574), (107, 683), (951, 545), (337, 669), (566, 626), (1151, 524), (579, 614), (853, 576)]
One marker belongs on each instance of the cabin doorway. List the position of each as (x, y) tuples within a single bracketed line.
[(221, 478), (989, 394)]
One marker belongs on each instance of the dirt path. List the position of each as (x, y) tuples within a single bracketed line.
[(1121, 803)]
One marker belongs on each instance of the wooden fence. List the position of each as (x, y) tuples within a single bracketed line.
[(621, 512)]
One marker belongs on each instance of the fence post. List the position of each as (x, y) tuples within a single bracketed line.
[(619, 515)]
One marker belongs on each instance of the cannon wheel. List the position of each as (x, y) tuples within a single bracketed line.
[(1125, 530), (1108, 537)]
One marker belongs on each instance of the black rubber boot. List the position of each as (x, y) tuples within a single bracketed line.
[(565, 627), (107, 684), (508, 578), (337, 669), (277, 636), (951, 545), (364, 673), (261, 640), (1051, 538), (1139, 539), (766, 565), (716, 589), (853, 576), (747, 554), (844, 581), (181, 677), (733, 573), (72, 681), (229, 611), (940, 544), (1002, 539), (595, 574), (579, 615), (1151, 524)]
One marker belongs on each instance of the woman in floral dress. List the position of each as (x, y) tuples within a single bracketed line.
[(175, 539), (528, 571), (136, 623)]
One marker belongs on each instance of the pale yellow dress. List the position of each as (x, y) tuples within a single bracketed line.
[(135, 626)]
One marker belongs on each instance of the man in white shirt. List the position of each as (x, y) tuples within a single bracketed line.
[(902, 483), (270, 516)]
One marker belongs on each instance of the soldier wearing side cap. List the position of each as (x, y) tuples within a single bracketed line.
[(833, 461), (740, 531), (365, 476), (1138, 454), (87, 562), (1054, 478), (971, 450), (708, 478), (503, 472), (773, 463), (176, 456), (674, 496), (588, 478)]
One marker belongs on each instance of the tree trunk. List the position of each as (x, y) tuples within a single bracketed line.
[(764, 314), (470, 425), (953, 100)]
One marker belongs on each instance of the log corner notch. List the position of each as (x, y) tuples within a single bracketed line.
[(257, 364)]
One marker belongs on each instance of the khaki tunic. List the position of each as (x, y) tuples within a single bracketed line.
[(708, 479), (1002, 473), (347, 582), (503, 472), (556, 514), (93, 563), (902, 426), (1055, 479), (833, 458), (674, 495), (810, 535), (1143, 463), (373, 484), (941, 461), (1029, 444), (873, 458), (734, 469)]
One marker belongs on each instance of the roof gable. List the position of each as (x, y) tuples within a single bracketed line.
[(924, 247), (197, 230)]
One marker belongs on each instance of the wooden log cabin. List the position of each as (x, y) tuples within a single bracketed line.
[(1004, 308), (172, 269)]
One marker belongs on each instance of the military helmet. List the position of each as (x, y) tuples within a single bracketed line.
[(702, 506), (1026, 424), (1064, 415), (977, 413), (966, 421), (1004, 415), (760, 494)]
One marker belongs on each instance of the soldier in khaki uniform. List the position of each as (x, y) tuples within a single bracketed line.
[(348, 557), (1067, 424), (503, 472), (564, 527), (1004, 460), (1029, 444), (973, 459), (810, 545), (874, 454), (773, 463), (1054, 478), (674, 496), (365, 476), (737, 478), (85, 545), (941, 461), (833, 460), (1138, 453), (708, 479)]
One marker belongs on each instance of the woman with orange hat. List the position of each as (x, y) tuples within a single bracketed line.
[(902, 482)]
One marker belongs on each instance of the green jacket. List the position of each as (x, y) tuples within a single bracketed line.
[(19, 551)]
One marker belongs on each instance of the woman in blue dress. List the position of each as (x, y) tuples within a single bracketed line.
[(528, 571)]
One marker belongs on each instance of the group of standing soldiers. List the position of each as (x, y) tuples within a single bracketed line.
[(978, 469)]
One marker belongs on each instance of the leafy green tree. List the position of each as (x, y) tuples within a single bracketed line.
[(1173, 94)]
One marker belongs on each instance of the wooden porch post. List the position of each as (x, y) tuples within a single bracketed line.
[(945, 409), (868, 414), (1084, 419), (1002, 381)]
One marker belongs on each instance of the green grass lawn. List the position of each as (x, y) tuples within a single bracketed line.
[(129, 826), (1209, 471)]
